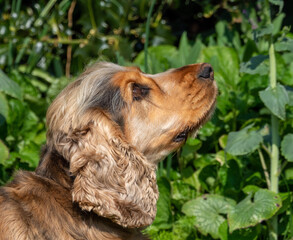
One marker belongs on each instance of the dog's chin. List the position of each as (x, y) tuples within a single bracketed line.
[(155, 159)]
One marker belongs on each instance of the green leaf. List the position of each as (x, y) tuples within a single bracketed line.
[(241, 234), (194, 52), (3, 106), (254, 209), (255, 65), (4, 152), (275, 99), (9, 87), (163, 218), (183, 228), (250, 189), (182, 192), (287, 147), (230, 176), (30, 154), (286, 45), (163, 54), (267, 30), (277, 23), (243, 142), (208, 210), (184, 49)]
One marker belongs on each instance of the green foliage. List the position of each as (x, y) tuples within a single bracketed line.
[(243, 142), (209, 211), (286, 147), (254, 209), (275, 100)]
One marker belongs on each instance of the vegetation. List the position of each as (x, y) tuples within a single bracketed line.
[(235, 180)]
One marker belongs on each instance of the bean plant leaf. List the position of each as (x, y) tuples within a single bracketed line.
[(243, 141), (254, 209), (208, 210), (275, 99), (9, 87), (286, 147), (255, 65), (286, 45), (4, 153)]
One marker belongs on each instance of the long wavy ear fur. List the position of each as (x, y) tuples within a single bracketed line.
[(112, 179)]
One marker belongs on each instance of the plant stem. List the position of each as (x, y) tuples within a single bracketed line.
[(275, 143), (69, 47), (147, 32), (92, 16), (264, 167)]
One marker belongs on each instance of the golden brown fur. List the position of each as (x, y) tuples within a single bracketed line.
[(106, 133)]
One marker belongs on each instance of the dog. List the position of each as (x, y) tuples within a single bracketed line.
[(107, 131)]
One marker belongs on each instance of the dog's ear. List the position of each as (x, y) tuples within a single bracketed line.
[(112, 179)]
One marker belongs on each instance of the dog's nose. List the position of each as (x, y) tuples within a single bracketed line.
[(206, 71)]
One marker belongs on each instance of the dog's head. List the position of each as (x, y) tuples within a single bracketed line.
[(113, 124)]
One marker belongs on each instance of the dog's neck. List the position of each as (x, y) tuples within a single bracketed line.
[(53, 166)]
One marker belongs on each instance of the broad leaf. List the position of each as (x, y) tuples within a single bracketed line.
[(254, 209), (255, 65), (208, 210), (287, 147), (8, 86), (243, 142), (284, 45), (275, 99)]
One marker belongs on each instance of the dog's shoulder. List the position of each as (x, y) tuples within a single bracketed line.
[(30, 205)]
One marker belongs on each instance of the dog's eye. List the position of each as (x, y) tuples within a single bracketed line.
[(139, 91), (181, 136)]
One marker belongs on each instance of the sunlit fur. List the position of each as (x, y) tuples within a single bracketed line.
[(97, 175)]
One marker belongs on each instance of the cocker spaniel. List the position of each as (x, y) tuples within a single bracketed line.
[(106, 133)]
